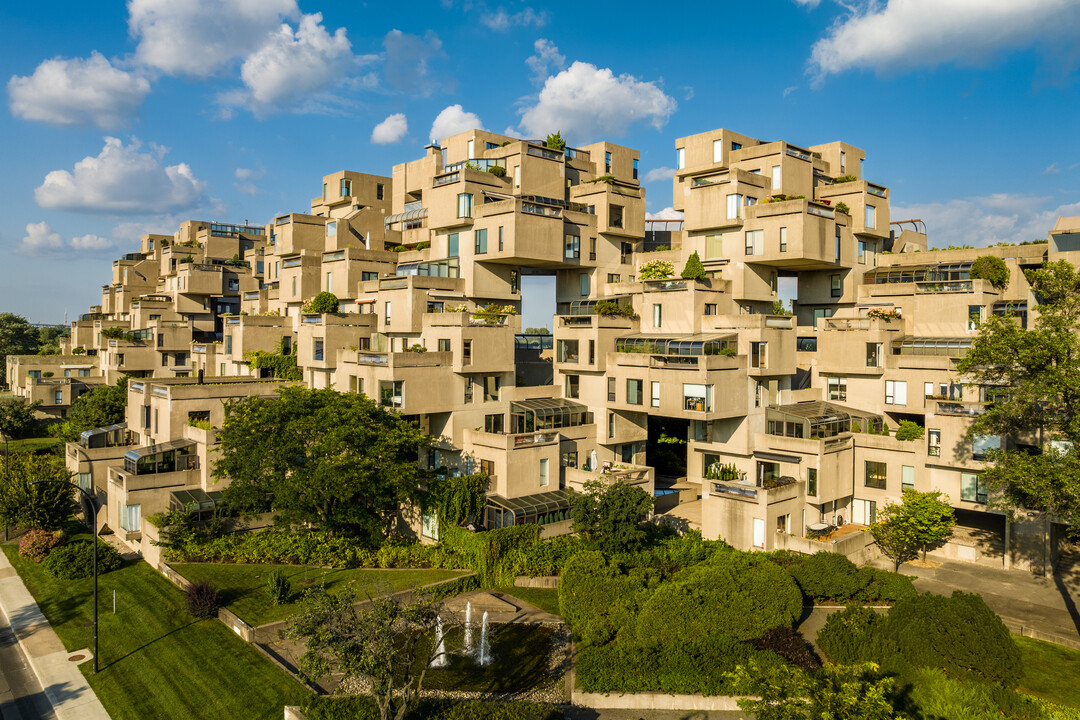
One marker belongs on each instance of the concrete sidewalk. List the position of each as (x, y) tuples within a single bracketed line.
[(64, 685), (1043, 608)]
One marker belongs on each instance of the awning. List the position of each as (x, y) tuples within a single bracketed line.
[(155, 449), (196, 499), (407, 215), (538, 504), (103, 430)]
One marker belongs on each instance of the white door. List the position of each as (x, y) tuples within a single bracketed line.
[(863, 512), (759, 533)]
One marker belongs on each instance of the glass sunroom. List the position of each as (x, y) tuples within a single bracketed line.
[(538, 414), (687, 345), (172, 456), (816, 419), (539, 509)]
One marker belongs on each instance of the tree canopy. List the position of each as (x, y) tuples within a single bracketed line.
[(17, 418), (694, 269), (45, 506), (991, 268), (102, 406), (17, 337), (610, 516), (921, 520), (1034, 376), (324, 302), (319, 456)]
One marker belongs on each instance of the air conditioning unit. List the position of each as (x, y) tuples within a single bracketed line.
[(838, 521)]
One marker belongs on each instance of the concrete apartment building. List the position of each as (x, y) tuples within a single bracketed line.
[(752, 419)]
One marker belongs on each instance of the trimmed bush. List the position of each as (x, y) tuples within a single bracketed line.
[(694, 269), (829, 576), (909, 430), (76, 560), (599, 596), (851, 636), (36, 544), (733, 595), (887, 587), (991, 268), (202, 599), (324, 302), (278, 587), (958, 634), (362, 707)]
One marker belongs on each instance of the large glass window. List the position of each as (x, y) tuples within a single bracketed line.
[(836, 288), (982, 444), (129, 517), (759, 356), (452, 245), (615, 216), (611, 389), (871, 216), (734, 206), (480, 237), (755, 242), (873, 355), (838, 389), (655, 401), (634, 389), (572, 247), (567, 351), (543, 471), (875, 475), (907, 477), (317, 349), (933, 443), (896, 392), (464, 205), (680, 158), (806, 344), (573, 386), (811, 481), (971, 488), (584, 280), (697, 398)]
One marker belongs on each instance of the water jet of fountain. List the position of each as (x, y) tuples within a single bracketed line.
[(440, 659), (468, 628), (485, 653)]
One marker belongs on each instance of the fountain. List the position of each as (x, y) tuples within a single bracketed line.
[(485, 653), (441, 659), (468, 628)]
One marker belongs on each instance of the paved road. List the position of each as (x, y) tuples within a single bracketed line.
[(21, 697)]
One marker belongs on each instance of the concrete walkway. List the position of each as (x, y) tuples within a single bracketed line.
[(1044, 608), (64, 685)]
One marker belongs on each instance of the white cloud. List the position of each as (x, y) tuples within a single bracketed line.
[(200, 37), (247, 180), (390, 130), (501, 20), (790, 89), (293, 70), (77, 92), (668, 213), (40, 239), (547, 59), (408, 61), (983, 221), (808, 3), (586, 102), (453, 120), (122, 180), (1052, 169), (660, 173), (902, 34)]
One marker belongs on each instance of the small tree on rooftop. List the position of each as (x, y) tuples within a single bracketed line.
[(694, 269), (555, 141), (324, 302), (992, 269)]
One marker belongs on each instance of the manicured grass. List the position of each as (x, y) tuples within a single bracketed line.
[(156, 662), (243, 587), (1050, 671), (31, 444), (547, 599)]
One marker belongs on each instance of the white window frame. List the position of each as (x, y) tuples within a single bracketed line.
[(896, 392)]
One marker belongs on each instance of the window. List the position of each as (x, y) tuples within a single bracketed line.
[(468, 391), (843, 157), (811, 481), (464, 205), (870, 216), (543, 472), (611, 389), (387, 312), (572, 246), (933, 443), (129, 517), (330, 282), (615, 216), (500, 238), (734, 206), (755, 242), (378, 191), (317, 349), (981, 444), (875, 475), (806, 344), (294, 286), (680, 158), (971, 488), (444, 344), (611, 424), (480, 237), (838, 389), (492, 384), (607, 163), (699, 430), (774, 280), (783, 239), (626, 254), (974, 316), (862, 252), (697, 398), (634, 389), (592, 248), (614, 278), (655, 397), (592, 352), (430, 528), (635, 174), (517, 176), (759, 357), (572, 386), (346, 187), (896, 392), (391, 392), (584, 280), (657, 315), (566, 351), (515, 283), (367, 275), (736, 146), (907, 477), (873, 355), (67, 373), (760, 392), (466, 352), (710, 308), (836, 250), (493, 423), (928, 389), (58, 397), (452, 242), (775, 178), (836, 288)]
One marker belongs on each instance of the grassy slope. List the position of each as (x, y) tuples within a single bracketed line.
[(547, 599), (243, 587), (155, 660), (1050, 671)]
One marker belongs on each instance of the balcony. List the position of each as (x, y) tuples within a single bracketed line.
[(961, 409)]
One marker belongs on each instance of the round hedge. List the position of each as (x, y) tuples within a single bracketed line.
[(829, 576), (850, 636), (731, 596), (991, 268), (76, 560), (598, 596), (958, 634)]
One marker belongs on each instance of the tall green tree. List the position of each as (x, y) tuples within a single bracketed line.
[(1038, 372), (319, 456), (45, 506), (17, 418), (610, 515), (388, 644), (17, 337), (49, 338), (921, 520), (694, 269), (102, 406)]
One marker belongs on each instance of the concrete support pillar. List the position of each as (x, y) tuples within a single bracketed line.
[(1008, 541)]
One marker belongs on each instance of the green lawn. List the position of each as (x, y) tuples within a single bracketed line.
[(155, 660), (31, 444), (547, 599), (243, 587), (1050, 671)]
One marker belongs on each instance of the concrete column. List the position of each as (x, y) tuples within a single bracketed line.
[(1008, 538)]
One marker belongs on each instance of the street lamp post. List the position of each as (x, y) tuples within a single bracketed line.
[(93, 532)]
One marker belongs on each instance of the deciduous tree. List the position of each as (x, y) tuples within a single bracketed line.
[(17, 418), (921, 520), (47, 506), (17, 337), (610, 515), (101, 407)]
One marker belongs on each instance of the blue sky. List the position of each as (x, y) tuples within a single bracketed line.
[(967, 110)]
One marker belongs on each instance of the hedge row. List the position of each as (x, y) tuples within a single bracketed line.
[(359, 707), (829, 577)]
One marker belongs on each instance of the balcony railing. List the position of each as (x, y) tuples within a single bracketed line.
[(536, 438)]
